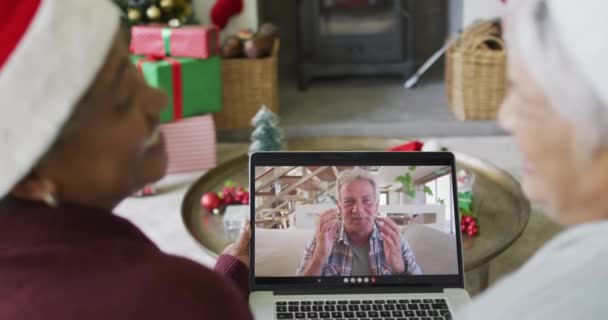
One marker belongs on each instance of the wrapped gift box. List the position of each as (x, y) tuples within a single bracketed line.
[(189, 41), (194, 86), (191, 144)]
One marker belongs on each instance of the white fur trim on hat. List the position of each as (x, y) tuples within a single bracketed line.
[(51, 68)]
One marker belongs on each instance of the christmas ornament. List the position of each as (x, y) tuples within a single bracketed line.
[(245, 34), (183, 13), (173, 12), (210, 201), (231, 193), (153, 13), (267, 135), (167, 5), (223, 10), (465, 180), (134, 15), (469, 225), (233, 48), (174, 23), (228, 196), (259, 47)]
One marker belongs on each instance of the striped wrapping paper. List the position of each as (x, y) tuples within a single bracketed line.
[(191, 144)]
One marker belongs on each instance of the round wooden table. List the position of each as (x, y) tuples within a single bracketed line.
[(502, 209)]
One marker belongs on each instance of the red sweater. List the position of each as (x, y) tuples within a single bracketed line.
[(77, 262)]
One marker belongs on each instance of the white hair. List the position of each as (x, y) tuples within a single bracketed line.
[(539, 31), (357, 173)]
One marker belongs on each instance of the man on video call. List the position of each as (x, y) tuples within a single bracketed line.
[(361, 243)]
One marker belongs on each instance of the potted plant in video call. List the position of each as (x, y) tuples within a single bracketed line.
[(414, 194)]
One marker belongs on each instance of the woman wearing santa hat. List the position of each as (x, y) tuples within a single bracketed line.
[(557, 112), (79, 133)]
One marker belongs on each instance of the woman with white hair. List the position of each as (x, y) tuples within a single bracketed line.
[(78, 134), (557, 112)]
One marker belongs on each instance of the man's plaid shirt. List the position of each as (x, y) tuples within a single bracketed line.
[(340, 262)]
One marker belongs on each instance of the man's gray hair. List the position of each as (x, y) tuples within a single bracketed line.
[(357, 173)]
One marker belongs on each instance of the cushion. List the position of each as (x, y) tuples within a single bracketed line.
[(278, 252)]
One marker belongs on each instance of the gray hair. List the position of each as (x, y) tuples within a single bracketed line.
[(533, 31), (357, 173)]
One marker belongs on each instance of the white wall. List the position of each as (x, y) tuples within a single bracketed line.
[(481, 9), (305, 214), (247, 19), (464, 12)]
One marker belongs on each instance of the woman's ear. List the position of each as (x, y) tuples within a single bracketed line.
[(34, 187)]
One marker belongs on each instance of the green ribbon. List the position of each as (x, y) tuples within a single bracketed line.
[(166, 33), (465, 199)]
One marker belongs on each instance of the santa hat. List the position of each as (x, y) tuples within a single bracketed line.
[(50, 53)]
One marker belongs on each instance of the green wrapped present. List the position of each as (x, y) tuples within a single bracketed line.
[(465, 199), (194, 86)]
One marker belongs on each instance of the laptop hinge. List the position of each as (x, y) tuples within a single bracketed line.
[(324, 291)]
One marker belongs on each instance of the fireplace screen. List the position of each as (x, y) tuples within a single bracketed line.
[(356, 17), (354, 37)]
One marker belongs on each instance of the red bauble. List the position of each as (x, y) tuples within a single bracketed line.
[(239, 194), (239, 191), (468, 225), (228, 191), (228, 199), (245, 198), (210, 201)]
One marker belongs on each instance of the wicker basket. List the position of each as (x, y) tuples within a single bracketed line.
[(247, 85), (475, 74)]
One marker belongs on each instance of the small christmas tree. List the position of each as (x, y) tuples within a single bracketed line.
[(172, 12), (267, 135)]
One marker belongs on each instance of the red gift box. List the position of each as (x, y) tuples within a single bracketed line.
[(191, 144), (199, 42)]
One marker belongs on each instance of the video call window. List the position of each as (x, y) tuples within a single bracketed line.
[(316, 221)]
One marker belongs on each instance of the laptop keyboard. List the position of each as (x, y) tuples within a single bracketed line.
[(410, 309)]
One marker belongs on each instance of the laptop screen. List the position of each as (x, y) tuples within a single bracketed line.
[(354, 219)]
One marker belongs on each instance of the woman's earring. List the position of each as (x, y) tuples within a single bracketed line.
[(50, 200)]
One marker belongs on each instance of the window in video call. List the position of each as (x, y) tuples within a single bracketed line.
[(354, 221)]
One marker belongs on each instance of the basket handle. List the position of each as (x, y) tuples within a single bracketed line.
[(474, 45)]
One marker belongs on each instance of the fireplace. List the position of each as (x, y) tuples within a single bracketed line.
[(354, 37)]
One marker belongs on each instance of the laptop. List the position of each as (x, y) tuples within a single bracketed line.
[(355, 235)]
